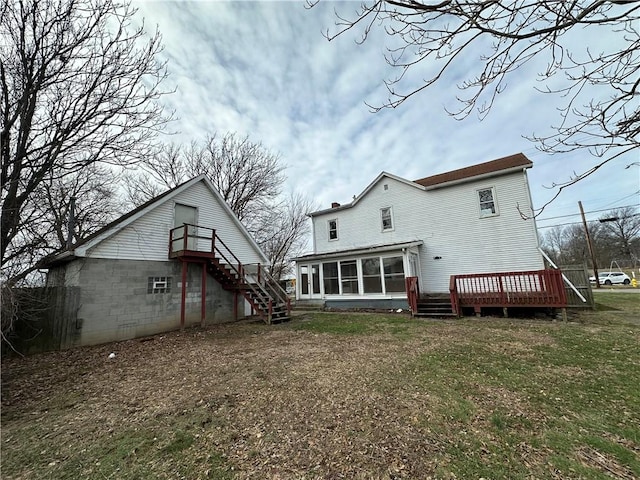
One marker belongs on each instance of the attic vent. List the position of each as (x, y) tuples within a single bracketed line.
[(386, 187)]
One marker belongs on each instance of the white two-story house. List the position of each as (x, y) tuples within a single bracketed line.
[(476, 219)]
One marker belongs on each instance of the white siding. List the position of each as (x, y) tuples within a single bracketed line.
[(147, 238), (448, 221)]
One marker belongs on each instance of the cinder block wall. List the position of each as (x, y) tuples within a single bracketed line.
[(117, 300)]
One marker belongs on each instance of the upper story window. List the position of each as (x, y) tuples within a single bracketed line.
[(387, 218), (488, 204), (333, 229)]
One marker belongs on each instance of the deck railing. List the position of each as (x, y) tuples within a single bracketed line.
[(536, 288), (413, 293)]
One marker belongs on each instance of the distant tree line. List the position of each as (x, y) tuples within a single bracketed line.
[(615, 237)]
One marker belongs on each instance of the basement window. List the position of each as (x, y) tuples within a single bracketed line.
[(159, 285)]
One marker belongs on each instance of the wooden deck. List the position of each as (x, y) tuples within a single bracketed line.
[(534, 289)]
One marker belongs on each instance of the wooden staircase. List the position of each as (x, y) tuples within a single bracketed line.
[(259, 289), (192, 243), (434, 305)]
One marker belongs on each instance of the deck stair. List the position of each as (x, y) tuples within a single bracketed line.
[(434, 305), (253, 282)]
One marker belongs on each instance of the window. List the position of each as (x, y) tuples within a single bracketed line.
[(159, 285), (349, 277), (393, 274), (487, 199), (333, 229), (387, 223), (371, 280), (330, 276)]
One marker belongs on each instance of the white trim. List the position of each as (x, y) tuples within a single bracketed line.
[(366, 190), (494, 200), (393, 223), (329, 239)]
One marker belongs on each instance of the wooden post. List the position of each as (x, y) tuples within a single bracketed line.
[(184, 295), (185, 237), (590, 245), (213, 241), (235, 305), (203, 306)]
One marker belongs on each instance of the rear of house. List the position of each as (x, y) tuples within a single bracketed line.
[(472, 220)]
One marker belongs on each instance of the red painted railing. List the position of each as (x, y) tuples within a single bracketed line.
[(413, 293), (536, 288), (196, 241)]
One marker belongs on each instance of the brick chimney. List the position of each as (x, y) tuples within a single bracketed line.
[(335, 204)]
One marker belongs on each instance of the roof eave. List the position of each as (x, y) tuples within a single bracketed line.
[(359, 251), (482, 176)]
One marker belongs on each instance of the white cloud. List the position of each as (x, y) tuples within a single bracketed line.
[(264, 69)]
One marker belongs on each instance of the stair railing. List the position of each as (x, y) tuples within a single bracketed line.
[(261, 283), (413, 293), (272, 286)]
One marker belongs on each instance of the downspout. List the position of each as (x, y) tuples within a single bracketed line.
[(533, 217)]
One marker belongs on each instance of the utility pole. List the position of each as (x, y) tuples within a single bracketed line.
[(590, 245)]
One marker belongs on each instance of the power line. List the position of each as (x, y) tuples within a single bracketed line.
[(575, 214), (578, 223)]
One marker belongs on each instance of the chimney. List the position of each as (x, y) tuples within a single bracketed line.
[(335, 204)]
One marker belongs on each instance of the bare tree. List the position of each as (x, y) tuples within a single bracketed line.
[(248, 176), (438, 38), (245, 173), (620, 229), (79, 86), (284, 231), (46, 229), (615, 237), (567, 245)]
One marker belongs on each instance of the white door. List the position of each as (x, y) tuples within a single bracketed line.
[(309, 281), (185, 215)]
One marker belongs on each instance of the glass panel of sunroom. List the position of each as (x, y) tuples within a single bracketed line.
[(372, 283), (349, 277), (330, 276), (393, 274)]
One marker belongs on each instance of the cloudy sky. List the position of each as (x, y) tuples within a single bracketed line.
[(265, 70)]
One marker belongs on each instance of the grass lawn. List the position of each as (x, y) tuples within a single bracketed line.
[(337, 395)]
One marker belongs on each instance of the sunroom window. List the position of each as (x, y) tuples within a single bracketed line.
[(330, 276), (393, 274), (371, 279), (349, 277)]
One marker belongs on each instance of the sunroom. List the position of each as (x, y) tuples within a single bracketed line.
[(368, 277)]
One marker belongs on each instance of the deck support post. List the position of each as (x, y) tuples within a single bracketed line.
[(505, 312), (235, 305), (203, 305), (184, 295)]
